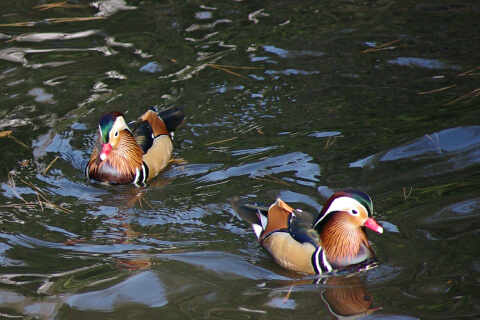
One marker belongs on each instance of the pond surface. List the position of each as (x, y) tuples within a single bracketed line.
[(281, 99)]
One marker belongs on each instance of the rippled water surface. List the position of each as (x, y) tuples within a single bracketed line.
[(282, 98)]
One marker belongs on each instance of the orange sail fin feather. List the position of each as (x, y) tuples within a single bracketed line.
[(278, 215), (157, 124)]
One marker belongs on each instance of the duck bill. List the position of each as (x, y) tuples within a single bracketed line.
[(106, 148), (370, 223)]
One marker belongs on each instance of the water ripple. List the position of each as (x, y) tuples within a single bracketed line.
[(298, 162)]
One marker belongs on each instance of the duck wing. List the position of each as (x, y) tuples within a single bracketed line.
[(143, 134), (300, 227)]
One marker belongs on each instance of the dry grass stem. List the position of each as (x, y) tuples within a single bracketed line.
[(472, 95), (11, 182), (64, 4), (436, 143), (407, 195), (251, 127), (216, 142), (18, 141), (8, 134), (31, 185), (436, 188), (384, 47), (288, 295), (40, 202), (231, 67), (11, 185), (328, 142), (276, 179), (272, 179), (212, 185), (425, 190), (18, 196), (226, 70), (76, 19), (55, 206), (436, 90), (469, 72), (147, 203), (51, 163), (40, 197), (140, 202)]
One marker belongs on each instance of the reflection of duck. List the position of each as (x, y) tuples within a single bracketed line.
[(336, 239), (347, 297), (124, 156)]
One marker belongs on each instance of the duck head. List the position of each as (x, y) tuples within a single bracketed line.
[(111, 127), (341, 226), (354, 206)]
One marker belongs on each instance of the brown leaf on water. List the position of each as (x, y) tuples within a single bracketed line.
[(73, 241), (135, 264), (5, 133)]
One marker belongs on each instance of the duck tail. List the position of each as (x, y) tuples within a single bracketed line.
[(173, 118), (252, 213)]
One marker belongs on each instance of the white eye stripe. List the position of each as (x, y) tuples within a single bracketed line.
[(343, 204)]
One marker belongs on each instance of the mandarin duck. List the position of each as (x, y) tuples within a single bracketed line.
[(334, 240), (123, 155)]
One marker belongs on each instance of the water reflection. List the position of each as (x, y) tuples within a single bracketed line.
[(347, 297)]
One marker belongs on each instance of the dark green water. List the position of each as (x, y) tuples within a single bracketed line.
[(303, 111)]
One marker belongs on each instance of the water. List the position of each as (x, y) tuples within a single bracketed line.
[(282, 99)]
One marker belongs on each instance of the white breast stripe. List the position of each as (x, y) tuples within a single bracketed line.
[(316, 261), (137, 176), (325, 261), (144, 172)]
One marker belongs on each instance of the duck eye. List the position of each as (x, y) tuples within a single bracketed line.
[(354, 211), (115, 134)]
